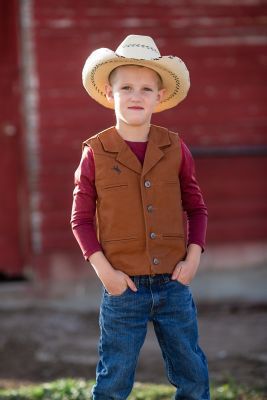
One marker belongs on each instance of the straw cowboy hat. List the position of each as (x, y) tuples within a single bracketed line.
[(136, 50)]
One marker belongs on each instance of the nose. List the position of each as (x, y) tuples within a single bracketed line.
[(135, 95)]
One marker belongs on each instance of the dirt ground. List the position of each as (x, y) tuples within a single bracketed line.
[(42, 344)]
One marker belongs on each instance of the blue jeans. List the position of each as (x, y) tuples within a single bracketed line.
[(123, 326)]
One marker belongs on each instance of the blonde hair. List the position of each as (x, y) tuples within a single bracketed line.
[(112, 75)]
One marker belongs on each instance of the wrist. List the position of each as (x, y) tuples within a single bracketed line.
[(193, 254), (101, 265)]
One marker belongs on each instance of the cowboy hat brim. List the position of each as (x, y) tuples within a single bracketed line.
[(172, 70)]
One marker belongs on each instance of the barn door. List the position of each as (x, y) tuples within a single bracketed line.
[(12, 237)]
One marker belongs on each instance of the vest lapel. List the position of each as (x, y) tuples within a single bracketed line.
[(112, 142), (158, 137), (129, 159)]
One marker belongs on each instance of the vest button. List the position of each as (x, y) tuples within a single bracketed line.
[(150, 208), (147, 184), (153, 235), (155, 261)]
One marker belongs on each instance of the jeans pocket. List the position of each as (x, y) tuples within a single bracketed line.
[(116, 295), (182, 284)]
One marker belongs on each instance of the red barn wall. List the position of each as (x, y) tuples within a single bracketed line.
[(13, 201), (223, 120), (224, 47)]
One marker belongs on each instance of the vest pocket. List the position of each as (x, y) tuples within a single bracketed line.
[(115, 186), (172, 235), (121, 239)]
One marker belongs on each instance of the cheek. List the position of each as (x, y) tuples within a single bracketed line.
[(117, 100), (120, 98), (153, 101)]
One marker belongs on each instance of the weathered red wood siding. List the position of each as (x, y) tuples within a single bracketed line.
[(13, 224), (224, 45)]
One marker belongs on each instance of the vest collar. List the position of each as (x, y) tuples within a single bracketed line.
[(113, 142), (158, 138)]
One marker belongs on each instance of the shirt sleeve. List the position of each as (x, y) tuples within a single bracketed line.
[(84, 205), (192, 200)]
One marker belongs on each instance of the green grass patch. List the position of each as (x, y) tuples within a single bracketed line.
[(70, 389)]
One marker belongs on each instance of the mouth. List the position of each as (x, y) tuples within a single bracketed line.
[(135, 108)]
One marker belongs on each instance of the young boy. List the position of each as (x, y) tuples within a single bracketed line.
[(138, 178)]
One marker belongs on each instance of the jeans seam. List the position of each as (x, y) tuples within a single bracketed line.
[(169, 367), (152, 297)]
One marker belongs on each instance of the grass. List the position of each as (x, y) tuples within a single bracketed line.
[(70, 389)]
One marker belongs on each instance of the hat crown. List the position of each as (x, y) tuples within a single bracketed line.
[(138, 47)]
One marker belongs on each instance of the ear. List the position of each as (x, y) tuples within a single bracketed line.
[(109, 93), (160, 96)]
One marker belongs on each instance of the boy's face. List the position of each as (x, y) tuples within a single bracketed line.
[(134, 91)]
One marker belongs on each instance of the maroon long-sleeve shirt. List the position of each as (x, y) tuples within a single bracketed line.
[(85, 196)]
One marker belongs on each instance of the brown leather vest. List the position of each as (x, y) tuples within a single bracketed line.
[(139, 210)]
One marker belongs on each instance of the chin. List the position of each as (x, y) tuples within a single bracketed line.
[(136, 122)]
